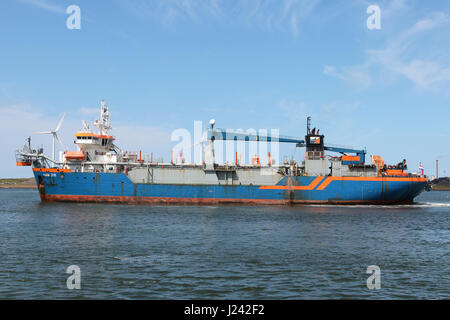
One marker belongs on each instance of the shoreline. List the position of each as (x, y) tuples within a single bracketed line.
[(18, 187), (440, 189), (18, 183)]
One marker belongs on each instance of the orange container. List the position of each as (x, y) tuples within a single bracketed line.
[(351, 158), (396, 172)]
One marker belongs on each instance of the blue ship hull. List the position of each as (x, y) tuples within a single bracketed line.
[(56, 185)]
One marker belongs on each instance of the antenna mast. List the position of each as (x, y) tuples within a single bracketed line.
[(308, 125), (103, 123)]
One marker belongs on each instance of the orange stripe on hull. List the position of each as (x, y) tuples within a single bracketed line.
[(311, 186), (328, 180)]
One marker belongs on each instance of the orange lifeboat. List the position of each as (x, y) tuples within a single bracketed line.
[(75, 156), (23, 163)]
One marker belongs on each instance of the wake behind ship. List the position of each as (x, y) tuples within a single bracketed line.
[(100, 172)]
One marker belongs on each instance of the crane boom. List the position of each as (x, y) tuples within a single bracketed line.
[(226, 134), (240, 135), (360, 153)]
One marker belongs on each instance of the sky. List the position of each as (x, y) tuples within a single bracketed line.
[(262, 64)]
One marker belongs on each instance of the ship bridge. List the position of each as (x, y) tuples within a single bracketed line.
[(93, 146)]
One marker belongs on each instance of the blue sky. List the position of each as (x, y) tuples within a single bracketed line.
[(259, 64)]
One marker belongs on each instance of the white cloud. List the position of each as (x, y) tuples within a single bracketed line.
[(88, 111), (295, 111), (436, 19), (388, 7), (298, 10), (394, 6), (359, 75), (425, 74), (401, 57), (267, 15), (45, 5)]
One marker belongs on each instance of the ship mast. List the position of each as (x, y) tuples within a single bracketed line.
[(103, 123)]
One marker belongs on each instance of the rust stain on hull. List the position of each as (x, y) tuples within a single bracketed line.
[(206, 201)]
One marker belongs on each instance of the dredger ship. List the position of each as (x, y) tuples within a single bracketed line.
[(101, 172)]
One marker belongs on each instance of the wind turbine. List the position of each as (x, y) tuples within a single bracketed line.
[(202, 141), (55, 136)]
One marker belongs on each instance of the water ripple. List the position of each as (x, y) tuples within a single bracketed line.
[(178, 252)]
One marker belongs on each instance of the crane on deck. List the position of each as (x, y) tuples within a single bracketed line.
[(312, 137)]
